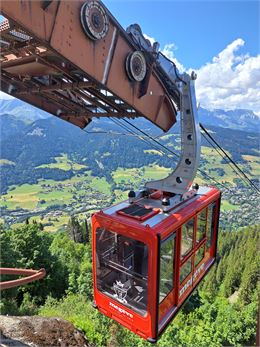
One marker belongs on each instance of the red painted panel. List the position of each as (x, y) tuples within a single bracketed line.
[(144, 326), (148, 326)]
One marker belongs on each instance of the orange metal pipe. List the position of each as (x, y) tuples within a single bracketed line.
[(32, 275)]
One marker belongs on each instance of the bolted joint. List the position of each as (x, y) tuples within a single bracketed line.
[(195, 186), (165, 204)]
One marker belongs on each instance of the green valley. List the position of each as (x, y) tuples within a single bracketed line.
[(52, 201)]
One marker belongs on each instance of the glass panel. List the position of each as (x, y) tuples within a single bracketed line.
[(201, 225), (211, 214), (199, 255), (185, 270), (167, 266), (187, 237), (122, 268)]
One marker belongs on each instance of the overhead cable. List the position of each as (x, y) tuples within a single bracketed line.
[(175, 154), (230, 159), (224, 158), (147, 139)]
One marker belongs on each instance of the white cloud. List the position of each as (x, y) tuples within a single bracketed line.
[(169, 50), (151, 39), (231, 80)]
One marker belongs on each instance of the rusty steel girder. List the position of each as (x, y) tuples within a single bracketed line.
[(70, 58)]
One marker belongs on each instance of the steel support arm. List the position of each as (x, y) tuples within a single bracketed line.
[(180, 181)]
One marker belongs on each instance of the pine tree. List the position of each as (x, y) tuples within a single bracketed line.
[(85, 231), (74, 230)]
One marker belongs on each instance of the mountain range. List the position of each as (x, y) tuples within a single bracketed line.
[(239, 119), (21, 110), (26, 147)]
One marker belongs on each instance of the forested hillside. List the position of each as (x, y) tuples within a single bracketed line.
[(51, 169), (222, 312), (29, 152)]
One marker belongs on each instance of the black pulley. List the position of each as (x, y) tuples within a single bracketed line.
[(136, 66), (94, 20)]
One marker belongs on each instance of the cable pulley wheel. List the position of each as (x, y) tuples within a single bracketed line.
[(136, 66), (94, 20)]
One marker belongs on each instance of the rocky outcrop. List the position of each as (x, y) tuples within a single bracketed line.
[(35, 331)]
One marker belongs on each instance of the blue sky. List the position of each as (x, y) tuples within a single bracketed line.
[(199, 29), (220, 40)]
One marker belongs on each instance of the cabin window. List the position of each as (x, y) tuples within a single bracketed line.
[(187, 238), (122, 269), (201, 225), (211, 224), (185, 270), (167, 266), (199, 255)]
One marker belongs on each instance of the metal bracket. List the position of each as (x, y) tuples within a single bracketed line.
[(180, 181), (135, 32)]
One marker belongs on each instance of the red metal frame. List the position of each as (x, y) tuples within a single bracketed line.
[(31, 275), (158, 315)]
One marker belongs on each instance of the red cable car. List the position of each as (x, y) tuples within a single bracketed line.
[(149, 253), (147, 262)]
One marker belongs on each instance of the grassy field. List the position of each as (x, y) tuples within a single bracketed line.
[(254, 163), (6, 162), (120, 196), (101, 185), (31, 196), (81, 190), (167, 136), (50, 192), (125, 175), (56, 223), (62, 163), (45, 193), (153, 151), (136, 177), (155, 172), (24, 196), (50, 224), (227, 206), (214, 163)]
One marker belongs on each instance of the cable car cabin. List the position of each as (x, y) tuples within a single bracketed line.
[(147, 262)]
